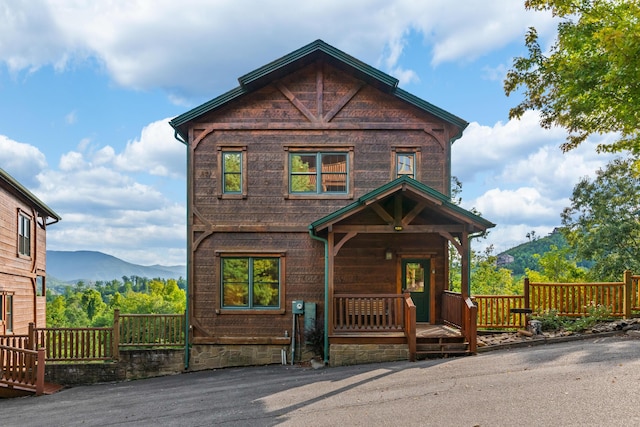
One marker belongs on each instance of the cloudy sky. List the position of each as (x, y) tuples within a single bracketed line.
[(87, 89)]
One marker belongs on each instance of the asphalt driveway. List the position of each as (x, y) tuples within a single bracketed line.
[(584, 383)]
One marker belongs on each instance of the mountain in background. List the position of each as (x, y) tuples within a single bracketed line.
[(523, 253), (91, 266)]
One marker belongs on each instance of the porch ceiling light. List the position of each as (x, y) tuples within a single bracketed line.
[(397, 227)]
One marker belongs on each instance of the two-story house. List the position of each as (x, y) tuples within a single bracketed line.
[(23, 227), (319, 188)]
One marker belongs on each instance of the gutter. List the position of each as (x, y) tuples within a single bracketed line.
[(187, 328), (326, 293)]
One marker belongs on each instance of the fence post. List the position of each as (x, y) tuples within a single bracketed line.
[(116, 334), (527, 303), (628, 289), (40, 371), (32, 340)]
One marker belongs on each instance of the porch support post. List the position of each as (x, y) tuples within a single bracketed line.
[(326, 291), (465, 288)]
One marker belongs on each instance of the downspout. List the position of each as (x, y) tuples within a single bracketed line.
[(326, 293), (186, 310)]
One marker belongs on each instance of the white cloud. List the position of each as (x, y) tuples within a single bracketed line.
[(197, 46), (22, 161), (156, 152)]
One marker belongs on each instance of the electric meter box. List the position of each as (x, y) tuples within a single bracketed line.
[(298, 307)]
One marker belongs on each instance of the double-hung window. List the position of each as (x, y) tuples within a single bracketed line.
[(24, 234), (318, 173), (232, 172), (251, 282)]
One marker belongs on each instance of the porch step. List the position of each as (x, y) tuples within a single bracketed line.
[(441, 347)]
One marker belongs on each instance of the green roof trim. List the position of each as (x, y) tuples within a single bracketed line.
[(430, 108), (398, 183), (21, 190), (312, 48), (305, 56)]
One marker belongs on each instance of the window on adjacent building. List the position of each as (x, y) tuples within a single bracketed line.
[(8, 313), (232, 174), (251, 282), (318, 173), (24, 235), (406, 165), (40, 286)]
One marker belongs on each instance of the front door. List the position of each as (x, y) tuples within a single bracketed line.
[(415, 279)]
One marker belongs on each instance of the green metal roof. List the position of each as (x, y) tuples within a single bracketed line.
[(394, 186), (22, 191), (303, 57)]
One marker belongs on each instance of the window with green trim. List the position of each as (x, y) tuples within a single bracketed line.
[(318, 173), (232, 172), (250, 282)]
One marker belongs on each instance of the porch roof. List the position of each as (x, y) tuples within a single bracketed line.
[(419, 191)]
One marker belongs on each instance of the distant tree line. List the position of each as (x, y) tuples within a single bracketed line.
[(84, 305)]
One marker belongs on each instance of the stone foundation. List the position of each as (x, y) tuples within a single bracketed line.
[(355, 354), (214, 356), (133, 365)]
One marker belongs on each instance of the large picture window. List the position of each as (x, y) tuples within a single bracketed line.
[(24, 235), (318, 173), (250, 282)]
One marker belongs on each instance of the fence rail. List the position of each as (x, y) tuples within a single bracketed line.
[(78, 344), (622, 299), (23, 368), (140, 330)]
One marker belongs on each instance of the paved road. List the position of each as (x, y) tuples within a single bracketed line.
[(586, 383)]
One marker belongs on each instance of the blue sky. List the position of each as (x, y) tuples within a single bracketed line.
[(87, 90)]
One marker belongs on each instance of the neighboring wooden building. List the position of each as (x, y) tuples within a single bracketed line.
[(23, 227), (319, 181)]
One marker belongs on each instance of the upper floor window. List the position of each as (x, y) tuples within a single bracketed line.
[(406, 165), (232, 172), (318, 173), (24, 234), (251, 282)]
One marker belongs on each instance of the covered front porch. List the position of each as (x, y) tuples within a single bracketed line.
[(387, 272)]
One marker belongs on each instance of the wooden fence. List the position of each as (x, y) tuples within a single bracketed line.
[(22, 368), (367, 312), (621, 299)]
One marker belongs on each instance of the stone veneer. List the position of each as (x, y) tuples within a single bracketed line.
[(355, 354), (214, 356)]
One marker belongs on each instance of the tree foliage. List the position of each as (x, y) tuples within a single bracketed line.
[(589, 81), (603, 221), (558, 265), (84, 306)]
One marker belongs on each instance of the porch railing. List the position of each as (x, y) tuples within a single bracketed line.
[(494, 311), (410, 325), (462, 313), (22, 368), (368, 312), (76, 344)]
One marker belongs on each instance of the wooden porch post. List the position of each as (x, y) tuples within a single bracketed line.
[(465, 285), (628, 290), (330, 275), (116, 334)]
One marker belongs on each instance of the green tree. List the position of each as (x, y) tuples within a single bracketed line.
[(589, 82), (603, 222), (489, 279), (557, 265)]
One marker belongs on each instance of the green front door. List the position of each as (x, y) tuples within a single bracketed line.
[(415, 279)]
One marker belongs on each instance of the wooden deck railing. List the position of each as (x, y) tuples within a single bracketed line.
[(494, 311), (622, 299), (22, 368), (142, 330), (77, 344), (368, 312)]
